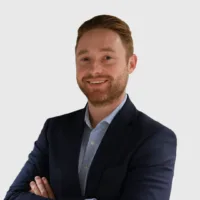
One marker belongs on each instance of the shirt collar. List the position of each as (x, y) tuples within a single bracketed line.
[(107, 119)]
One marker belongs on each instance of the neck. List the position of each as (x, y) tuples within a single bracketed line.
[(99, 113)]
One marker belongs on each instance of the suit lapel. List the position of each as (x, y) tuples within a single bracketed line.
[(69, 152), (110, 147)]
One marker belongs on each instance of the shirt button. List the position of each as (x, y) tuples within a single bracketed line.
[(92, 143)]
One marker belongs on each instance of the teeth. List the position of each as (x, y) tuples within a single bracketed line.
[(96, 82)]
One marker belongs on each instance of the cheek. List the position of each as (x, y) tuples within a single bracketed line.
[(116, 71), (120, 74), (80, 74)]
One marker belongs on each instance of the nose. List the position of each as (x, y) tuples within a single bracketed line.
[(96, 68)]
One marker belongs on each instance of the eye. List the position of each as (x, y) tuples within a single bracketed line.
[(108, 57), (85, 59)]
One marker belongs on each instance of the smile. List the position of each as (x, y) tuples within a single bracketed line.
[(96, 82)]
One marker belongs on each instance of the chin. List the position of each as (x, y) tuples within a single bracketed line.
[(98, 98), (101, 99)]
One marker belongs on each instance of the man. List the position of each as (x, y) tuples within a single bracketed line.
[(109, 149)]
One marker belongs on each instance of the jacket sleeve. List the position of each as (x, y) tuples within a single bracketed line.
[(152, 168), (37, 164)]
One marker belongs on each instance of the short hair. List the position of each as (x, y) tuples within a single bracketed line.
[(109, 22)]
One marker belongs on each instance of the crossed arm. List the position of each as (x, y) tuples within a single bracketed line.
[(41, 187), (32, 181)]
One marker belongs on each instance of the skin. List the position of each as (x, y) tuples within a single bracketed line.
[(100, 56), (41, 187)]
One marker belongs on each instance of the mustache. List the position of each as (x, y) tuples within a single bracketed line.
[(98, 76)]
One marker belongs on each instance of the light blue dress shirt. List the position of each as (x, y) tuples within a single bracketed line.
[(91, 140)]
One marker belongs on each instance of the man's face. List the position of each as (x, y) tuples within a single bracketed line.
[(102, 68)]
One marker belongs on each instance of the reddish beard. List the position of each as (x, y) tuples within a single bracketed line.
[(96, 93), (105, 95)]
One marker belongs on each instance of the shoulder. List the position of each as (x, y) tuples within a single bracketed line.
[(66, 118), (148, 127), (142, 124)]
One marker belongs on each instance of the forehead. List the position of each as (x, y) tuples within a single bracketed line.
[(97, 39)]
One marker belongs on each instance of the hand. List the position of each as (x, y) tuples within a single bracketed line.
[(41, 188)]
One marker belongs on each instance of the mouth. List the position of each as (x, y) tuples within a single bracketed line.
[(96, 82)]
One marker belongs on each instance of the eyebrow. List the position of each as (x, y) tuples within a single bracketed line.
[(83, 51)]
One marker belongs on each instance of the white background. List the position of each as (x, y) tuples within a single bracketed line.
[(37, 74)]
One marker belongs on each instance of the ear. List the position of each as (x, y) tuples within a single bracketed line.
[(132, 63)]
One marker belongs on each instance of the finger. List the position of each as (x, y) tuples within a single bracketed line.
[(34, 188), (48, 188), (41, 186), (31, 191)]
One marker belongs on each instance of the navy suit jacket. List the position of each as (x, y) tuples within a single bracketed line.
[(135, 160)]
